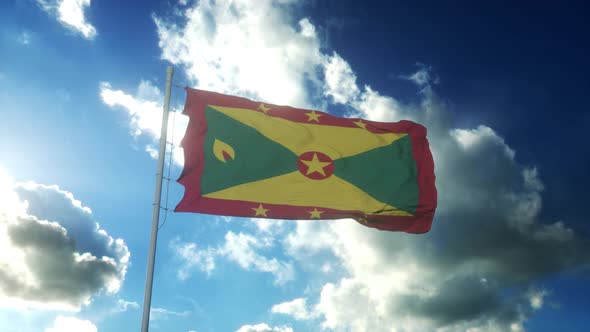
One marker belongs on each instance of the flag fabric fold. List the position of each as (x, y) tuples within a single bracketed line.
[(250, 159)]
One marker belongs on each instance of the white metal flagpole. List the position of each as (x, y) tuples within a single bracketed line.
[(149, 279)]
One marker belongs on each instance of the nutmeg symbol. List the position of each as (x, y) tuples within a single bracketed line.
[(223, 151)]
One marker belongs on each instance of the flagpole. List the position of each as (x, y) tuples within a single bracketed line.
[(149, 279)]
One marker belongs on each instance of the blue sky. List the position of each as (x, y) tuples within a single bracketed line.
[(501, 87)]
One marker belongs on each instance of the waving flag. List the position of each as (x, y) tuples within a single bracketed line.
[(251, 159)]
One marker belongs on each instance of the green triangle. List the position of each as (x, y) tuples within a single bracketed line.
[(256, 156), (387, 174)]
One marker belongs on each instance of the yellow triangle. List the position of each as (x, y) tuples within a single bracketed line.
[(336, 142), (297, 190)]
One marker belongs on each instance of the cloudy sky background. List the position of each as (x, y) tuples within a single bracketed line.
[(501, 90)]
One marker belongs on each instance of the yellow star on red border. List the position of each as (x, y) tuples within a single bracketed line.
[(361, 124), (260, 211), (315, 214), (362, 219), (313, 116), (263, 108)]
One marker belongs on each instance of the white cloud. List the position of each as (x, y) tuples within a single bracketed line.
[(269, 226), (299, 243), (145, 115), (71, 324), (123, 305), (53, 255), (192, 257), (263, 327), (224, 219), (349, 305), (238, 248), (422, 77), (245, 48), (471, 139), (537, 298), (296, 308), (374, 106), (340, 80), (162, 313), (70, 13), (24, 38)]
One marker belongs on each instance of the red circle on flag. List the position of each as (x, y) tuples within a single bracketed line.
[(315, 165)]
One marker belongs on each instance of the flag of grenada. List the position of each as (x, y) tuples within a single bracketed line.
[(251, 159)]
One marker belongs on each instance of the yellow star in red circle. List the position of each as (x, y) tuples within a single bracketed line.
[(260, 211), (315, 214), (315, 165), (313, 116)]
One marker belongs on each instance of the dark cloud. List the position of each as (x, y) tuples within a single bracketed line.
[(459, 299), (481, 263), (502, 251), (62, 273), (487, 239), (66, 257), (51, 203)]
